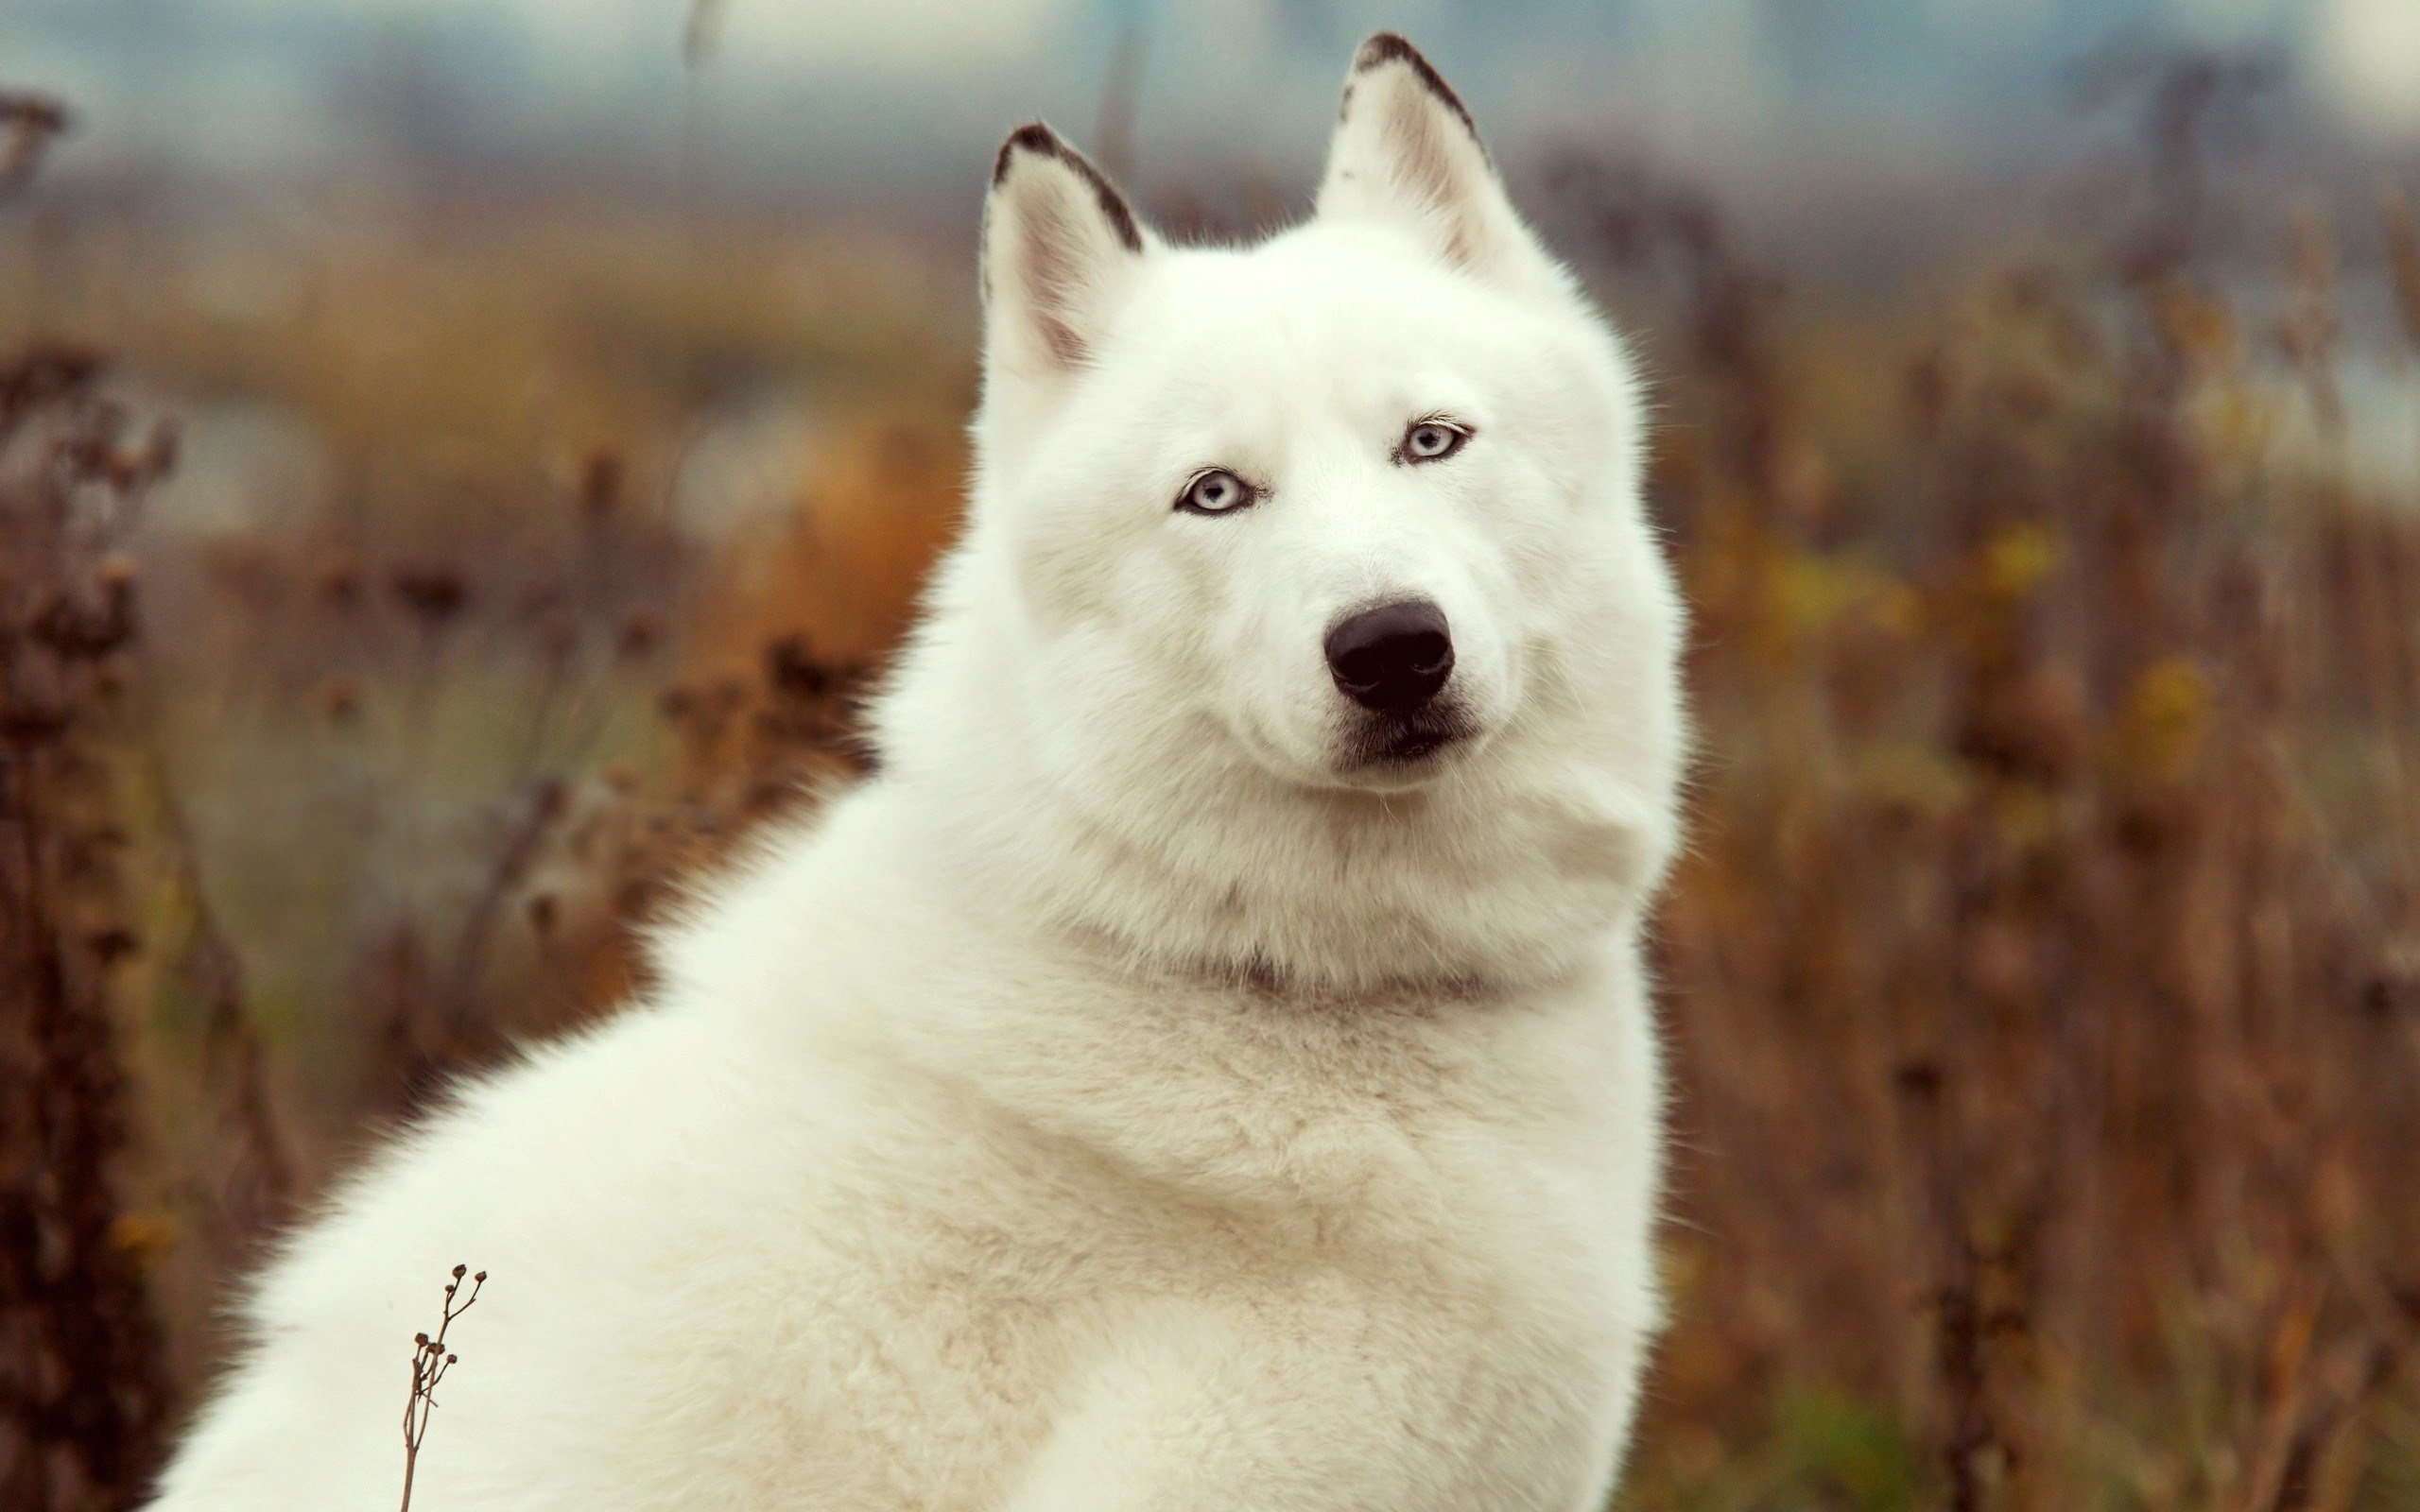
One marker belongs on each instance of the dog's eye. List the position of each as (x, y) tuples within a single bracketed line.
[(1431, 440), (1217, 491)]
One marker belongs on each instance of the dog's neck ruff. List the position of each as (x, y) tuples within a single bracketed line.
[(1489, 884)]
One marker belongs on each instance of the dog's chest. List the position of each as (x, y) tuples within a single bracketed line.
[(1434, 1250), (1511, 1163), (1506, 1226), (1462, 1302)]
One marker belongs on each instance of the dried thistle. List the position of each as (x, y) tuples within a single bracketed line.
[(430, 1361)]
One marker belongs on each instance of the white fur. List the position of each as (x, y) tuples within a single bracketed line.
[(1130, 1098)]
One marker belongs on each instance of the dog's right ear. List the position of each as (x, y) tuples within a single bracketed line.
[(1406, 154), (1059, 246)]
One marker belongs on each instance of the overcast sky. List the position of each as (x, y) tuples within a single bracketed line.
[(897, 84)]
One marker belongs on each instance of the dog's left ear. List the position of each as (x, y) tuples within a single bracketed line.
[(1405, 153)]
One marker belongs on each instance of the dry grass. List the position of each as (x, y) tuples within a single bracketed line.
[(83, 1388), (2045, 980), (2047, 974)]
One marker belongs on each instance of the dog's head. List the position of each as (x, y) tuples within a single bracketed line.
[(1351, 513)]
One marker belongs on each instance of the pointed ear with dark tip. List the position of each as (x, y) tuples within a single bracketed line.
[(1405, 153), (1059, 246)]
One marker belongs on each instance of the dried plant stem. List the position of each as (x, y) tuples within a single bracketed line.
[(430, 1361)]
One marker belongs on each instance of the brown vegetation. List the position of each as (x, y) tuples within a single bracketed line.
[(2045, 980), (2047, 971), (82, 1390)]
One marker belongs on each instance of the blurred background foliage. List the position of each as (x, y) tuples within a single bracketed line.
[(459, 464)]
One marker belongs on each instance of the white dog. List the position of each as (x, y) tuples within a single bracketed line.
[(1209, 1066)]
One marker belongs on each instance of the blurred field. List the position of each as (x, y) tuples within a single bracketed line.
[(2045, 980)]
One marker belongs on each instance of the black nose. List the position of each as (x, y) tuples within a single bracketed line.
[(1394, 658)]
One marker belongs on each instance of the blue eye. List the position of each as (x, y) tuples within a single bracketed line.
[(1431, 440), (1216, 492)]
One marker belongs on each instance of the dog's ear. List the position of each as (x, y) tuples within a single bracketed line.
[(1059, 246), (1405, 153)]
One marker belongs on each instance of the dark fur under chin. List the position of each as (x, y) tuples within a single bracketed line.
[(1265, 981), (1383, 741), (1259, 975)]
